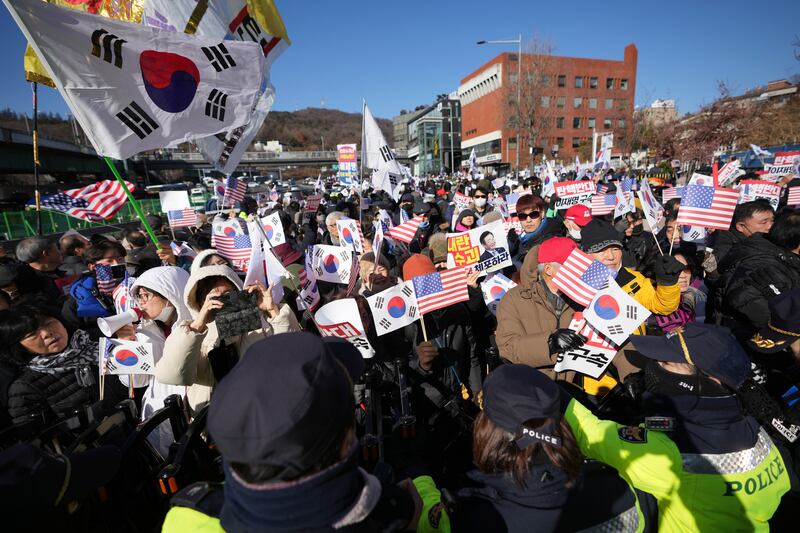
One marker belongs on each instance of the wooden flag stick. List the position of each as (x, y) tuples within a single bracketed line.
[(424, 331), (655, 238), (671, 243)]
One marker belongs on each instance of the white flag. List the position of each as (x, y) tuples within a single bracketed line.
[(126, 357), (263, 266), (760, 152), (394, 308), (331, 263), (273, 228), (614, 313), (623, 205), (653, 211), (227, 19), (350, 235), (134, 88)]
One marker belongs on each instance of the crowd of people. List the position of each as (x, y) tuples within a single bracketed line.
[(460, 421)]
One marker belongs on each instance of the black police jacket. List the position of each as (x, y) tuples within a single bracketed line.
[(546, 504)]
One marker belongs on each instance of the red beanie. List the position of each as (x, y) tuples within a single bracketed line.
[(556, 250), (417, 265)]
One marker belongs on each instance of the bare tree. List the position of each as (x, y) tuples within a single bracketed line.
[(534, 110)]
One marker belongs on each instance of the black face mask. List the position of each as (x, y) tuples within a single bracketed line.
[(638, 230), (118, 271), (662, 382)]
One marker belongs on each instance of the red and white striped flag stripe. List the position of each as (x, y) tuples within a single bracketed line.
[(441, 289), (708, 207), (794, 196), (233, 247), (603, 204), (95, 202), (580, 277), (405, 232), (235, 190), (182, 218), (668, 194)]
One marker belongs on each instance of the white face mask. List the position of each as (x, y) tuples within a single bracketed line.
[(166, 314), (480, 202), (575, 234)]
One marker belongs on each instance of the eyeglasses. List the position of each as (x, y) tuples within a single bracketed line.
[(144, 297), (532, 215)]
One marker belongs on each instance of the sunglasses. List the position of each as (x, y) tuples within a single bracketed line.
[(479, 196), (532, 215)]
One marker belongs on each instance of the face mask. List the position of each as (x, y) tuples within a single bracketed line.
[(638, 230), (118, 271), (575, 234), (480, 202), (165, 314)]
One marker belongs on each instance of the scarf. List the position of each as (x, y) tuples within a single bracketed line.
[(528, 236), (314, 503), (79, 356)]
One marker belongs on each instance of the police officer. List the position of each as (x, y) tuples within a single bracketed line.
[(710, 467), (530, 473), (284, 421)]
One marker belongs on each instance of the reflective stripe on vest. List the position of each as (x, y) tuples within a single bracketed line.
[(729, 463)]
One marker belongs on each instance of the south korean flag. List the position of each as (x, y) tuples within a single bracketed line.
[(494, 288), (394, 308), (273, 229), (350, 235), (614, 314), (331, 263), (118, 356)]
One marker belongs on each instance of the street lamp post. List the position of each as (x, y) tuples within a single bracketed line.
[(518, 42)]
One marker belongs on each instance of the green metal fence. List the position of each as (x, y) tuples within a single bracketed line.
[(21, 224)]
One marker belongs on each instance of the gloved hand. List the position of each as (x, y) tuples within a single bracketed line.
[(563, 340), (709, 262), (668, 270)]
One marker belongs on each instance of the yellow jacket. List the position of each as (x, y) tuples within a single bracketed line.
[(660, 300)]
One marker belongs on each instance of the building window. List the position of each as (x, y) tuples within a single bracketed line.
[(607, 124), (576, 122), (562, 80), (621, 123), (576, 102), (593, 82), (560, 123), (623, 103), (609, 83), (545, 80), (560, 142), (609, 103), (512, 143), (576, 142), (623, 84), (545, 101), (512, 78), (591, 123), (562, 101), (592, 103), (579, 82)]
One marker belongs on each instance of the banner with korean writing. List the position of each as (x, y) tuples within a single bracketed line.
[(591, 359), (484, 249), (312, 203), (348, 163), (571, 193), (341, 318), (729, 172), (759, 189)]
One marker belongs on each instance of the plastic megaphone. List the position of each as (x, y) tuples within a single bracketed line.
[(110, 325)]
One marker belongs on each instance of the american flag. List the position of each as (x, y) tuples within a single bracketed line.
[(603, 204), (234, 190), (105, 281), (405, 232), (794, 196), (233, 247), (602, 188), (440, 289), (708, 207), (671, 192), (95, 202), (182, 218), (626, 184), (580, 277)]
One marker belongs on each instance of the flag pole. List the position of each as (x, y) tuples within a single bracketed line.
[(136, 207), (36, 162), (361, 161), (424, 331)]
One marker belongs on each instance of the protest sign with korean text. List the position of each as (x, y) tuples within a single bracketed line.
[(759, 189), (341, 319), (484, 249), (569, 193), (591, 359), (312, 203)]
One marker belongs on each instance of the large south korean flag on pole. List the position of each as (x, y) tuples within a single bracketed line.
[(394, 308), (134, 88)]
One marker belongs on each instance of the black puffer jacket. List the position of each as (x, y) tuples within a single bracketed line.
[(753, 272)]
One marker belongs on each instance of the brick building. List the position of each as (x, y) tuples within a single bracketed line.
[(577, 96)]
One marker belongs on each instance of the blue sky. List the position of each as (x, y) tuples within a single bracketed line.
[(401, 54)]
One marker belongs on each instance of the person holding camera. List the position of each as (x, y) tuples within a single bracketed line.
[(226, 319)]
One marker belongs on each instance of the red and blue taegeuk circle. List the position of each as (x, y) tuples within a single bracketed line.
[(497, 292), (269, 231), (126, 357), (396, 307), (229, 231), (170, 79), (330, 264), (606, 307), (347, 235)]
